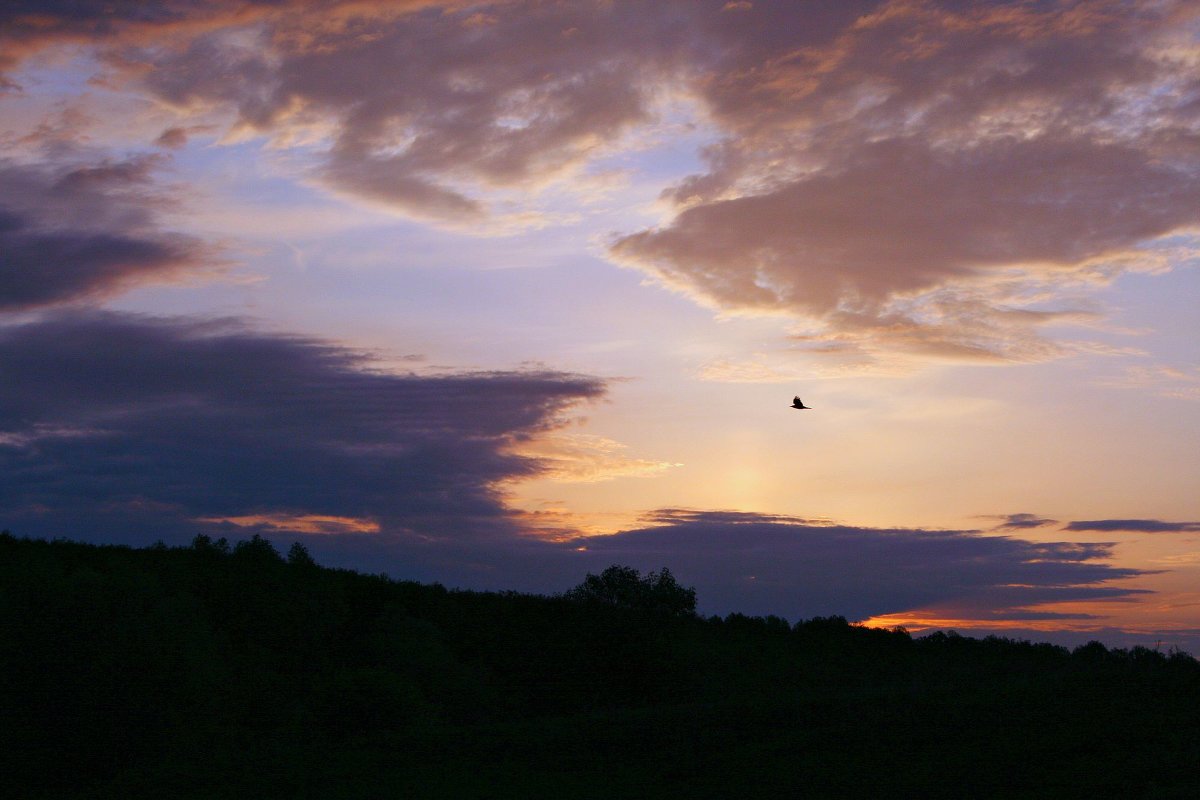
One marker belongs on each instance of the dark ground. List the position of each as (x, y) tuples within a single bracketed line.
[(217, 672)]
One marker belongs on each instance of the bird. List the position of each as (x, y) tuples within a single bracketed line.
[(796, 403)]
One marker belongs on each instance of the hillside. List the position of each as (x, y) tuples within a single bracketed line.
[(212, 671)]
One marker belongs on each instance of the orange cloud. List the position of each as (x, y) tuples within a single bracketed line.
[(585, 458), (298, 523)]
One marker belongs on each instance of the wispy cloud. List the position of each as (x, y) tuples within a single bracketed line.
[(1022, 521), (587, 458), (1178, 382), (1133, 526)]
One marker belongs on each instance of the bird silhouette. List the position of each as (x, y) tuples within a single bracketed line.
[(796, 403)]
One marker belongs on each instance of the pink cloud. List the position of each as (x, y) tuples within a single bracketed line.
[(72, 230), (909, 181), (895, 174)]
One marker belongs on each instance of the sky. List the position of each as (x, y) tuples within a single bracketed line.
[(499, 294)]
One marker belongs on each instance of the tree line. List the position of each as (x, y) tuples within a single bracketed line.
[(230, 670)]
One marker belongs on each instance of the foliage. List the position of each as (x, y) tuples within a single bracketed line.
[(225, 672), (624, 587)]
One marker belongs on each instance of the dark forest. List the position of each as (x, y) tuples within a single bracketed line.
[(232, 671)]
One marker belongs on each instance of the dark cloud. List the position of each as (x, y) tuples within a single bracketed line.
[(117, 428), (128, 429), (773, 564), (29, 25), (71, 231), (122, 428), (1018, 521), (1133, 525)]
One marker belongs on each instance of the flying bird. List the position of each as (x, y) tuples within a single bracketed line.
[(796, 403)]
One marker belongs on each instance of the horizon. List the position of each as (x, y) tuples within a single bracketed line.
[(499, 294)]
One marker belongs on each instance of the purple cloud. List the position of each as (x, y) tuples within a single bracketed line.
[(28, 26), (120, 428), (126, 428), (1133, 525), (907, 181), (1023, 520), (763, 564), (775, 564), (899, 176), (477, 97), (71, 231), (930, 179)]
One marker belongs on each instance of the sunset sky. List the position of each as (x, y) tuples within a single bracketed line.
[(498, 294)]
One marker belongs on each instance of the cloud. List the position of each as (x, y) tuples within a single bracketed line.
[(515, 98), (296, 523), (762, 564), (921, 252), (71, 231), (773, 564), (897, 218), (173, 138), (942, 181), (896, 171), (119, 428), (1019, 521), (939, 180), (28, 26), (1166, 380), (587, 458), (1133, 526)]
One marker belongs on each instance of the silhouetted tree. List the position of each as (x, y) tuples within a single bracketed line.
[(205, 544), (625, 587), (256, 550), (298, 556)]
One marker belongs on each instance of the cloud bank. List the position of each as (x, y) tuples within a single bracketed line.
[(118, 428), (760, 564), (930, 177), (936, 180)]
